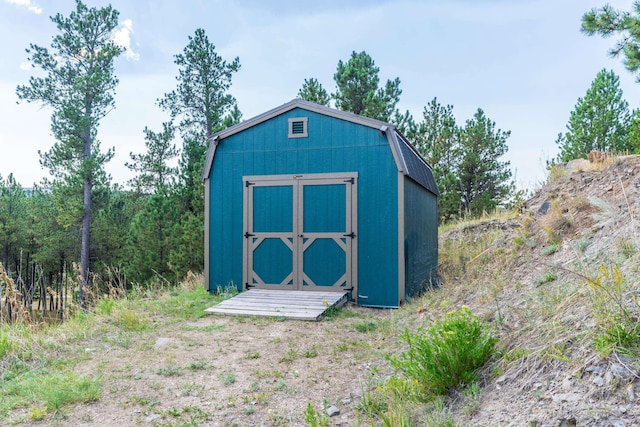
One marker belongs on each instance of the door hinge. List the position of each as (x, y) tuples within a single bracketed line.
[(348, 289), (352, 235), (247, 183), (351, 180), (247, 286), (247, 235)]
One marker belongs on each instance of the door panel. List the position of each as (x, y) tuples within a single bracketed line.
[(299, 232), (273, 261), (270, 235), (324, 263), (324, 208), (324, 255), (273, 209)]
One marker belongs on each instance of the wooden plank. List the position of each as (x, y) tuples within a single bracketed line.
[(308, 315), (300, 305), (297, 300), (312, 317), (286, 315), (275, 300), (329, 297), (292, 294), (272, 307), (275, 305)]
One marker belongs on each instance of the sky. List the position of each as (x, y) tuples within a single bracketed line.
[(524, 62)]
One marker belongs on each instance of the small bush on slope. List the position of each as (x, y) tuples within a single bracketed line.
[(447, 354)]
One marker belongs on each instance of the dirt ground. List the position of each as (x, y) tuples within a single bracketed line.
[(232, 371)]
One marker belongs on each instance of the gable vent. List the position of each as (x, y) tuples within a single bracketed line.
[(298, 127)]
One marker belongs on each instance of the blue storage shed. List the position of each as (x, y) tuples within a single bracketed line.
[(306, 197)]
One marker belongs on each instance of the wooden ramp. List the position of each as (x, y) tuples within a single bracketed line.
[(301, 305)]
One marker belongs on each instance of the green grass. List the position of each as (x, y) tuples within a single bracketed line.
[(6, 344), (252, 355), (311, 352), (316, 418), (365, 326), (130, 320), (184, 304), (47, 392), (290, 356), (170, 371), (198, 365), (548, 277), (227, 378)]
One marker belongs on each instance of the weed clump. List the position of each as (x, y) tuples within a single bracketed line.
[(447, 354), (616, 312)]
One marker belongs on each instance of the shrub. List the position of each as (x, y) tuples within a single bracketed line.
[(448, 353), (616, 311)]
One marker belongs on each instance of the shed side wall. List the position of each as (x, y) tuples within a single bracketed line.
[(421, 237)]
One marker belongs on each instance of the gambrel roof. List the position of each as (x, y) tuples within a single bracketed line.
[(408, 160)]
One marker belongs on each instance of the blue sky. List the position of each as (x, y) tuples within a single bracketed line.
[(524, 62)]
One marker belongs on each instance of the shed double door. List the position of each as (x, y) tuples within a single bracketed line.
[(300, 232)]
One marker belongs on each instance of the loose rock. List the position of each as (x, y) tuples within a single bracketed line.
[(332, 411)]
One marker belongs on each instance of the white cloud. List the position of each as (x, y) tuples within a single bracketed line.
[(32, 7), (122, 37), (25, 66)]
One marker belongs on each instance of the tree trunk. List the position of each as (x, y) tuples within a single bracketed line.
[(86, 222)]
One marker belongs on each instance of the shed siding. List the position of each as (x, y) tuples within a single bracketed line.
[(333, 145), (421, 237)]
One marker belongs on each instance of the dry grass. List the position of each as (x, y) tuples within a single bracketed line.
[(11, 308)]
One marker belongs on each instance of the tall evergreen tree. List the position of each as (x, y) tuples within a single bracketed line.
[(200, 100), (607, 21), (437, 139), (485, 181), (79, 86), (313, 91), (357, 89), (202, 105), (151, 230), (600, 121)]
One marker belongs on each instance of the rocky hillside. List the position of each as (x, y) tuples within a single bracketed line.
[(560, 283)]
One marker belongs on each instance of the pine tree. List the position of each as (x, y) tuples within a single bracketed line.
[(202, 105), (437, 140), (485, 181), (154, 173), (600, 121), (13, 210), (150, 239), (200, 100), (357, 89), (607, 22), (313, 91), (79, 86)]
